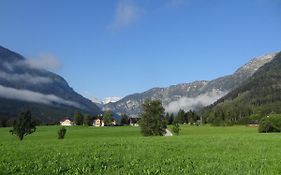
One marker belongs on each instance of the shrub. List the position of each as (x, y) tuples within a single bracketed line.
[(270, 123), (61, 133), (176, 128)]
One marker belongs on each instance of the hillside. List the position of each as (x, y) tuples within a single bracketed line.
[(193, 95), (48, 95), (259, 95)]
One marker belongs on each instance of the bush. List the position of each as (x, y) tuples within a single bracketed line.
[(270, 123), (61, 133), (176, 128)]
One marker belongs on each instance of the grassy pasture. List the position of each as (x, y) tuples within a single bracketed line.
[(122, 150)]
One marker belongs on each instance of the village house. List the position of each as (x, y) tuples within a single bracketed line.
[(100, 123), (113, 122), (66, 122), (134, 121)]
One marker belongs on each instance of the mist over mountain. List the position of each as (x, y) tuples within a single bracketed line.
[(25, 85), (193, 95)]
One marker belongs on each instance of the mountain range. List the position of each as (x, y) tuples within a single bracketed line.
[(24, 86), (193, 95)]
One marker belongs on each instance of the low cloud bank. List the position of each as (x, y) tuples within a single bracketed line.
[(187, 104), (35, 97), (46, 62), (28, 78)]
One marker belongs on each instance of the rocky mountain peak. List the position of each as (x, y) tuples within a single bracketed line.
[(255, 63)]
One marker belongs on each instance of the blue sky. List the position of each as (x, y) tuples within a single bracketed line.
[(118, 47)]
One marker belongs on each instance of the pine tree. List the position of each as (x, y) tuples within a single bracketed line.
[(180, 116), (171, 119)]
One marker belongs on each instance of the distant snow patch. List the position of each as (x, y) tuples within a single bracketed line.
[(106, 100)]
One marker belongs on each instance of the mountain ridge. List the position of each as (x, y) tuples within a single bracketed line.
[(183, 95)]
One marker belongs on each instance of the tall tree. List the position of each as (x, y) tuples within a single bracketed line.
[(86, 120), (124, 119), (171, 119), (181, 116), (167, 117), (24, 125), (152, 122), (107, 118), (78, 118)]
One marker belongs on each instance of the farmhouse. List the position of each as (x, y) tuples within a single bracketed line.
[(134, 121), (100, 123), (113, 122), (66, 122)]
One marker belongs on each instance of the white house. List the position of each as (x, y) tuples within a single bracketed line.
[(134, 121), (66, 122), (113, 122), (98, 122)]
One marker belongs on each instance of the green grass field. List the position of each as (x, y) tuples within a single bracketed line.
[(122, 150)]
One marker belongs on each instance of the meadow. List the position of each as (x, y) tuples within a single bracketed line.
[(122, 150)]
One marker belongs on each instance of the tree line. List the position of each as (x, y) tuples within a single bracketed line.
[(182, 117)]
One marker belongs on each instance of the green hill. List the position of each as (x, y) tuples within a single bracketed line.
[(256, 97)]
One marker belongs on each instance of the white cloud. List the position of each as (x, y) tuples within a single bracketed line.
[(186, 103), (35, 97), (126, 13), (48, 62), (28, 78)]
